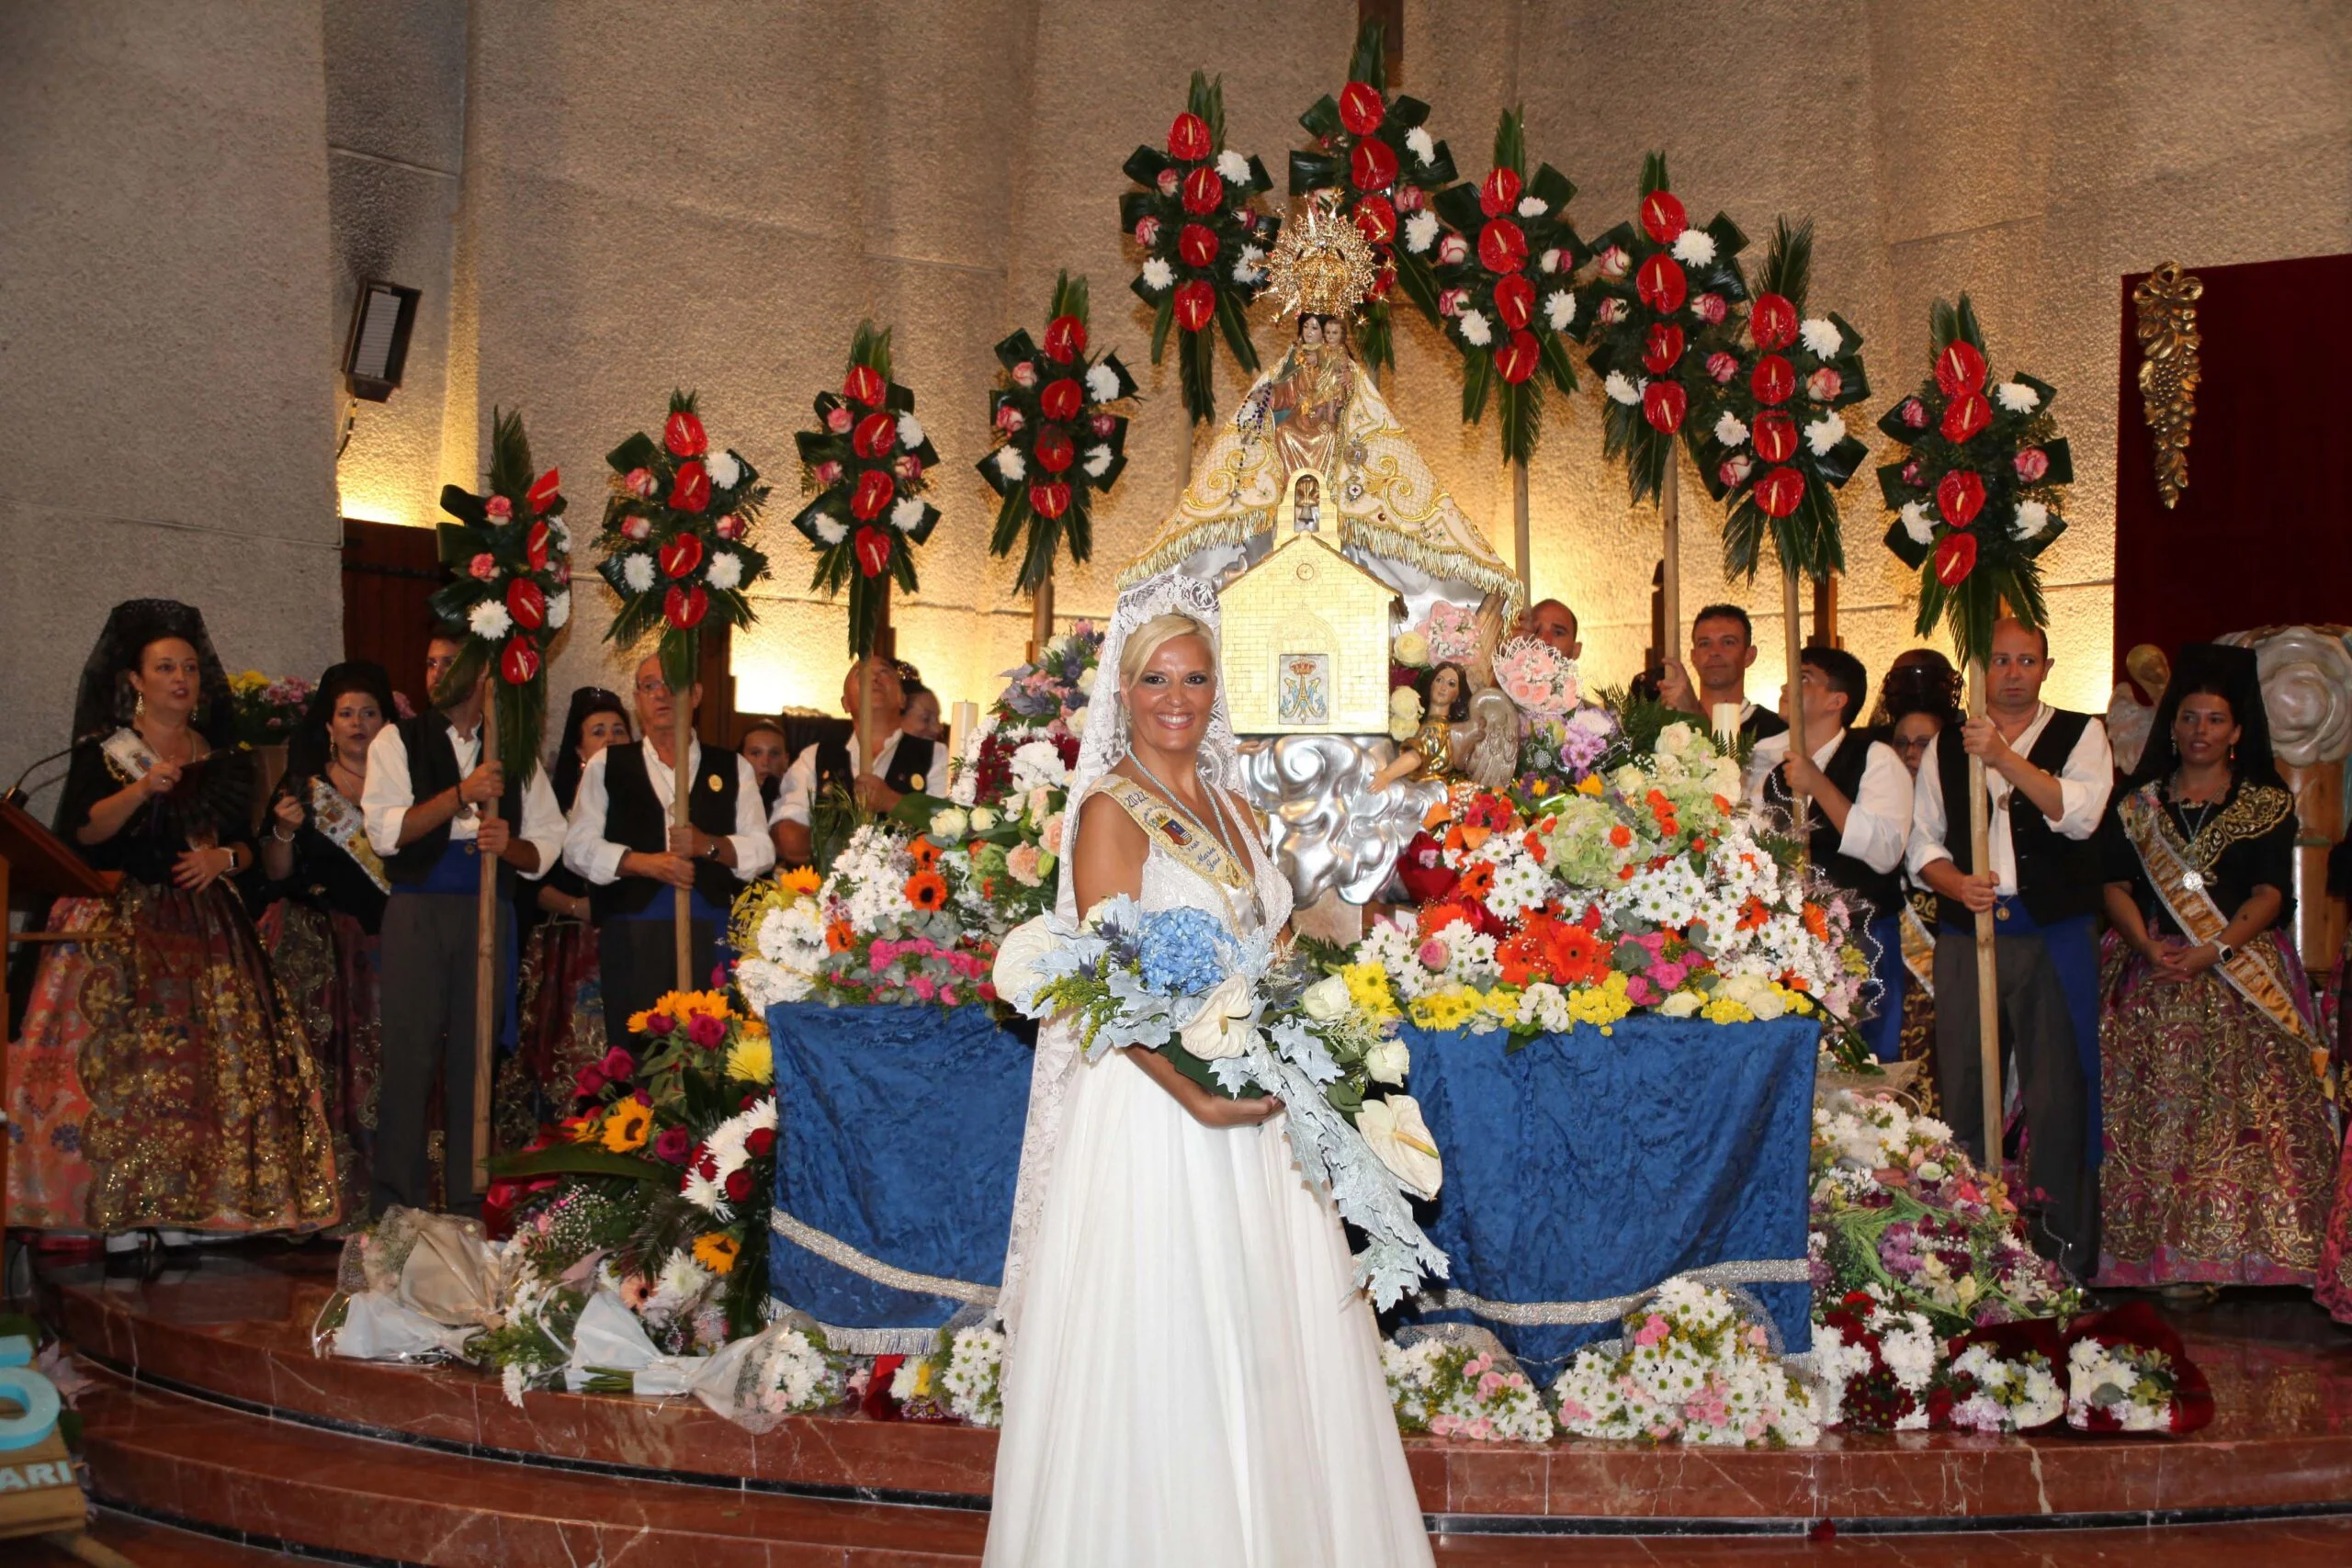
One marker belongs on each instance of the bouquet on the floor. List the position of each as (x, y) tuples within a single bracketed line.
[(1689, 1369), (1242, 1020), (1463, 1392), (2128, 1371)]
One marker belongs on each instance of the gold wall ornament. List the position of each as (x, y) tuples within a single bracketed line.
[(2167, 302), (1322, 265)]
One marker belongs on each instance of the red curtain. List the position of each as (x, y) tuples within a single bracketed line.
[(2263, 534)]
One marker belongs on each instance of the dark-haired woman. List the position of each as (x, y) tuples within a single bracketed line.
[(162, 1083), (559, 999), (323, 891), (2219, 1149), (1918, 700)]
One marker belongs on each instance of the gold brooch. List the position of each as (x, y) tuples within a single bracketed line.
[(717, 783), (914, 784)]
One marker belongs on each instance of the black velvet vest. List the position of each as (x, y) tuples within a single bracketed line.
[(1845, 769), (2058, 877), (431, 767), (635, 820)]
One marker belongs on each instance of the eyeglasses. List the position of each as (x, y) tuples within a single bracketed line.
[(653, 688), (1909, 746)]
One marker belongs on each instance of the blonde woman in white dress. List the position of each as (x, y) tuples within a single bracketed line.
[(1192, 1378)]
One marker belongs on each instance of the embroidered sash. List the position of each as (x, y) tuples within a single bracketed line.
[(2255, 969), (129, 756), (1169, 829), (1918, 948), (341, 824)]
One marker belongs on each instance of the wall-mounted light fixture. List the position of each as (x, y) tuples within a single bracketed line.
[(381, 319)]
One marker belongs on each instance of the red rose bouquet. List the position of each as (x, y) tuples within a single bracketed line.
[(1658, 316), (1502, 262), (868, 463), (1204, 246), (1377, 152), (1060, 443), (676, 539), (1976, 496), (510, 554)]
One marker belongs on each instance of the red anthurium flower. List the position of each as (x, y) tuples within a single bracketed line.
[(1196, 244), (875, 435), (1959, 368), (1049, 500), (1774, 379), (1773, 322), (1371, 166), (1204, 190), (1663, 347), (1965, 415), (681, 555), (1056, 451), (518, 665), (1062, 399), (874, 490), (873, 546), (1196, 303), (1502, 247), (1779, 491), (683, 435), (690, 491), (526, 604), (1516, 358), (1066, 335), (1960, 496), (1376, 219), (1499, 197), (535, 547), (1664, 403), (1188, 138), (543, 490), (1662, 215), (684, 608), (1775, 434), (1362, 108), (1514, 299), (865, 385), (1660, 284), (1955, 558)]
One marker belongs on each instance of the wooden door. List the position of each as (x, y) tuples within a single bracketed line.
[(388, 574)]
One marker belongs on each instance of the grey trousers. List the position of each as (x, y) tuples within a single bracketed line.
[(638, 963), (2037, 1032), (428, 1027)]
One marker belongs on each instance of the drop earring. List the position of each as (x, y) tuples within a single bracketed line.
[(139, 709)]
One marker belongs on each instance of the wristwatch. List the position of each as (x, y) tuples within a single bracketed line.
[(711, 853), (2224, 952)]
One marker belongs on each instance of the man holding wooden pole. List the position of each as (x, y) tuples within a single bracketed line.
[(886, 763), (2043, 776)]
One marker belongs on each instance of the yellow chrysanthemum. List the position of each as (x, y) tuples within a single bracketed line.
[(751, 1058), (1720, 1009), (628, 1126), (1368, 988), (801, 879), (716, 1251), (1448, 1009), (1603, 1004)]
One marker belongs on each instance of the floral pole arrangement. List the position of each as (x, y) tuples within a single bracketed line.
[(1204, 246), (1376, 151), (867, 462), (1061, 443), (1975, 500), (1659, 318)]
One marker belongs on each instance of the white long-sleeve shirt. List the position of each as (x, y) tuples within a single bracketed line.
[(598, 858), (385, 799), (1878, 826), (2083, 784), (799, 790)]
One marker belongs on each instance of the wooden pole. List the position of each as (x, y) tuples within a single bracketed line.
[(485, 956), (1041, 618), (1795, 700), (1520, 531), (1670, 506), (682, 717), (1988, 995)]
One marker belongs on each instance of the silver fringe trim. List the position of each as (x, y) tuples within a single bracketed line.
[(879, 1341), (1541, 1315), (841, 1255)]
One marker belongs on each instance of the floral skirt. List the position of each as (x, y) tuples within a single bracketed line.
[(331, 972), (560, 1011), (1919, 1043), (162, 1078), (2220, 1148)]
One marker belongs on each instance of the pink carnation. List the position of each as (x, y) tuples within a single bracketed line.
[(1433, 953), (484, 566), (499, 508), (1653, 1330)]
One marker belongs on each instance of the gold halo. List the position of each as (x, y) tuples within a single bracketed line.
[(1322, 266)]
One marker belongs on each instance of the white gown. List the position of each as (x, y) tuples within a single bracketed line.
[(1194, 1382)]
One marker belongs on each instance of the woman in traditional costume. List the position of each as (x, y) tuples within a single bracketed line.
[(2220, 1151), (162, 1082), (323, 903)]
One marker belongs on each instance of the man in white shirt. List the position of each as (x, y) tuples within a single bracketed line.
[(1723, 644), (1858, 816), (2049, 773), (902, 766), (623, 842), (422, 803)]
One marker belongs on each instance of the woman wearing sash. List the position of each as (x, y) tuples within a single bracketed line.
[(163, 1083), (2219, 1145), (324, 903)]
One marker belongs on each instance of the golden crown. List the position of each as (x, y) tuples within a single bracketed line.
[(1322, 266)]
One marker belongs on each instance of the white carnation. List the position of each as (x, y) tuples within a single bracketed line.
[(558, 609), (1101, 383), (830, 529), (1730, 432), (1915, 524), (1560, 310), (2017, 397), (1550, 260), (1233, 166), (1621, 389), (1009, 464), (1694, 247), (1473, 328), (726, 569), (909, 432), (1419, 142), (1822, 337), (724, 468), (1097, 460), (637, 570), (906, 514), (1157, 273), (1420, 230), (2033, 519), (488, 619), (1532, 206), (1823, 434)]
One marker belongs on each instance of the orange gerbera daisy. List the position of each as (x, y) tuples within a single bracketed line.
[(926, 890), (837, 937), (925, 854), (802, 879), (1816, 921), (1477, 879)]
